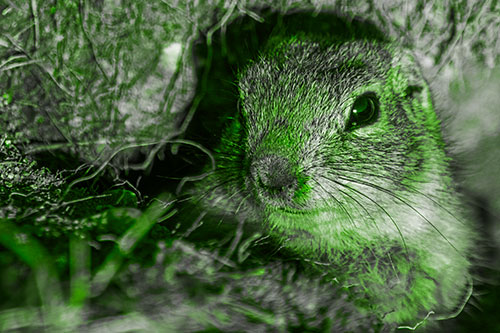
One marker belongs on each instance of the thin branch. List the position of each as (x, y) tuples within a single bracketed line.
[(181, 64), (66, 203), (19, 64), (83, 18), (39, 65), (222, 22), (12, 59), (34, 12)]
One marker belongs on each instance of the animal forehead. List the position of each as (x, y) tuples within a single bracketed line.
[(303, 61), (354, 54), (297, 76)]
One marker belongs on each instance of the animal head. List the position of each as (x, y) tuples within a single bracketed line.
[(315, 116)]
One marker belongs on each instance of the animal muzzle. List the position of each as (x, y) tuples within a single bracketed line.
[(274, 179)]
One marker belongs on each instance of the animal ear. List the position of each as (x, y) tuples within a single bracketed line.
[(412, 90), (410, 84), (413, 81)]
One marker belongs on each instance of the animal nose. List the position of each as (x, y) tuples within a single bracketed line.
[(274, 174)]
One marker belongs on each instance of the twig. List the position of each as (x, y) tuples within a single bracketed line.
[(450, 47), (196, 224), (82, 179), (181, 61), (412, 328), (222, 22), (39, 65), (203, 149), (34, 12), (12, 59), (66, 203), (19, 64), (235, 242), (83, 18)]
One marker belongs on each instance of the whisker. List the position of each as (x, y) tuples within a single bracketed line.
[(338, 202), (241, 203), (388, 166), (360, 205), (212, 188), (378, 205), (404, 202), (408, 186)]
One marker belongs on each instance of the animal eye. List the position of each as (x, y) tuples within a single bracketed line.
[(364, 111)]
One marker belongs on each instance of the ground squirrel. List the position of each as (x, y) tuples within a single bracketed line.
[(337, 152)]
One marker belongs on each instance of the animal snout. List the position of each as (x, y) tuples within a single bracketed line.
[(273, 174)]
